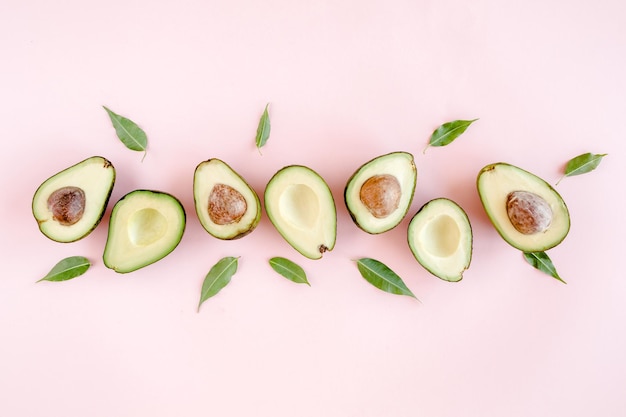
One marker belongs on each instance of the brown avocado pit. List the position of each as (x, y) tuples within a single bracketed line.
[(226, 205), (381, 195), (67, 205), (528, 212)]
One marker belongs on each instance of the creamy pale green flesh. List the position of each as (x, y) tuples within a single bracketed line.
[(96, 177), (397, 164), (207, 175), (301, 207), (496, 181), (145, 226), (440, 238)]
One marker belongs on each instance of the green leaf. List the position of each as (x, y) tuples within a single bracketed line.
[(289, 270), (448, 132), (582, 164), (218, 277), (263, 130), (131, 135), (67, 268), (542, 262), (380, 276)]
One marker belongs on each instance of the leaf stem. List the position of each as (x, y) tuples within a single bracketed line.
[(560, 179)]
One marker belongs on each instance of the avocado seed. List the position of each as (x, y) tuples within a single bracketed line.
[(67, 205), (528, 212), (381, 195), (226, 205)]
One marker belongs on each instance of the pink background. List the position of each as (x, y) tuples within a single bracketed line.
[(347, 81)]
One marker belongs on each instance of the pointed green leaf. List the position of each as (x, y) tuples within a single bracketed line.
[(542, 262), (582, 164), (218, 277), (289, 270), (131, 135), (263, 130), (380, 276), (448, 132), (67, 268)]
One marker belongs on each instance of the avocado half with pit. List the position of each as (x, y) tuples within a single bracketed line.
[(145, 226), (227, 207), (378, 195), (440, 238), (525, 210), (70, 204), (301, 207)]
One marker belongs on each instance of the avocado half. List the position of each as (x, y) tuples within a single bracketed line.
[(145, 226), (378, 195), (301, 207), (440, 238), (227, 207), (70, 204), (526, 211)]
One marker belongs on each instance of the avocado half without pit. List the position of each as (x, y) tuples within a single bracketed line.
[(227, 207), (70, 204), (525, 210), (145, 226), (440, 238), (301, 207), (378, 195)]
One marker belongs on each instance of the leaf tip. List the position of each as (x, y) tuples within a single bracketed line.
[(110, 112)]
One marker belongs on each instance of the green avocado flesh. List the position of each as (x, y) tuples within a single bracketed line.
[(227, 207), (525, 210), (70, 204), (301, 207), (378, 195), (440, 238), (145, 226)]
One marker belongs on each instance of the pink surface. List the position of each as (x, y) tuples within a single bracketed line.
[(347, 81)]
